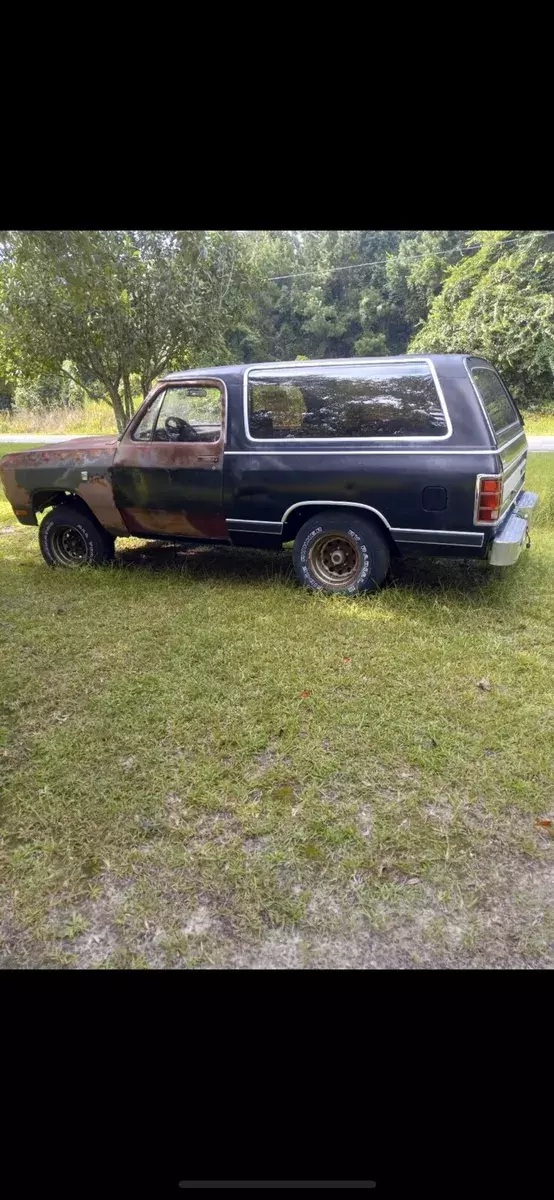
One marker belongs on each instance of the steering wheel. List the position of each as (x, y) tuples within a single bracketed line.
[(179, 430)]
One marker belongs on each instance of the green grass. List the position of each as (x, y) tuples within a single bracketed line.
[(541, 424), (14, 448), (201, 764)]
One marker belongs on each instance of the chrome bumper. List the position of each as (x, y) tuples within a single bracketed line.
[(514, 535)]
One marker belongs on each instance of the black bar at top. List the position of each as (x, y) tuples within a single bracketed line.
[(278, 1183)]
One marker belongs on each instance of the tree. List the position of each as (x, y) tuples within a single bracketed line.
[(269, 327), (341, 294), (117, 303), (328, 297), (415, 274), (500, 303)]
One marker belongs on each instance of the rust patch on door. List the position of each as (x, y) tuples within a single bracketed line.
[(172, 489), (146, 521)]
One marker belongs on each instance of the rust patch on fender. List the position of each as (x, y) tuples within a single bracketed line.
[(18, 497), (59, 468), (98, 494)]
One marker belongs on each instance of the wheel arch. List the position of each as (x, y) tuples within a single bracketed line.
[(51, 498), (296, 516), (54, 497)]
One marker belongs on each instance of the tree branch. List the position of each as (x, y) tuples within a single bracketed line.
[(81, 385)]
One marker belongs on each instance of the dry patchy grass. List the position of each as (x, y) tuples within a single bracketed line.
[(93, 417)]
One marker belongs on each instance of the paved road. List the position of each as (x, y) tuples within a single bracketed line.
[(544, 445)]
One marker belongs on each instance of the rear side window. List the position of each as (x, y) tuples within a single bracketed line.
[(500, 407), (376, 400)]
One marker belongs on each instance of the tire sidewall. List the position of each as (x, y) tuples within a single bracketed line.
[(73, 521), (363, 543)]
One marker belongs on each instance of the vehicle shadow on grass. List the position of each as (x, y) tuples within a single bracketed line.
[(228, 562), (216, 562)]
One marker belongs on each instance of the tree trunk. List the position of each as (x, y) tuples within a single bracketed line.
[(128, 403), (117, 406), (145, 384)]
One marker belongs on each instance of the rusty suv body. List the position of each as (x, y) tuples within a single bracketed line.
[(354, 460)]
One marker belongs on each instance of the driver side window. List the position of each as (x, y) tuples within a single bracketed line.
[(182, 414)]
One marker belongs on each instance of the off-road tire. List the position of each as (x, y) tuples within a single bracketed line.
[(69, 537), (340, 552)]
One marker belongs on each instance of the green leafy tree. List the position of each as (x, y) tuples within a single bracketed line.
[(341, 294), (500, 303), (324, 295), (416, 273), (114, 304), (269, 328)]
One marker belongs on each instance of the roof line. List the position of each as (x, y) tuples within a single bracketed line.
[(308, 362)]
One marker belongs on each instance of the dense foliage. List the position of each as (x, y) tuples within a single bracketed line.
[(500, 303), (114, 304), (111, 310)]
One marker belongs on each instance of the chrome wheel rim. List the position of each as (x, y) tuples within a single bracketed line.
[(335, 560), (68, 546)]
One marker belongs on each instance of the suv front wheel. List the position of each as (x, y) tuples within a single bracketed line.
[(339, 552), (69, 538)]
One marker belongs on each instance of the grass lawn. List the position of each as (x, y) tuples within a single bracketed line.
[(203, 765)]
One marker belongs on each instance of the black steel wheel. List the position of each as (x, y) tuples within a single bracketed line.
[(69, 537)]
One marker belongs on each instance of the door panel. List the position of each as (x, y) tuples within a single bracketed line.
[(171, 488)]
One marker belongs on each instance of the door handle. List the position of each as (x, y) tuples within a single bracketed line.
[(211, 458)]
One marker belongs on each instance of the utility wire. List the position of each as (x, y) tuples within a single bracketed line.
[(379, 262)]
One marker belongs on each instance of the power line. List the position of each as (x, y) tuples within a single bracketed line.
[(379, 262)]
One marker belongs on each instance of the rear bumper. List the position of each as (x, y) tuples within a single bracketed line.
[(506, 547)]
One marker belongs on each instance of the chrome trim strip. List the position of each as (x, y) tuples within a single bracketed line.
[(515, 462), (336, 504), (451, 538), (518, 469), (492, 453), (429, 542), (249, 521), (240, 525), (476, 538), (277, 453), (511, 442), (342, 362)]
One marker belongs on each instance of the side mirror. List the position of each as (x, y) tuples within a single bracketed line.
[(196, 391)]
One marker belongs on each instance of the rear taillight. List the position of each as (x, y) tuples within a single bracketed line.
[(489, 499)]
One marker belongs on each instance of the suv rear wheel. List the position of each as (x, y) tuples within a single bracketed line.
[(339, 552), (69, 538)]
